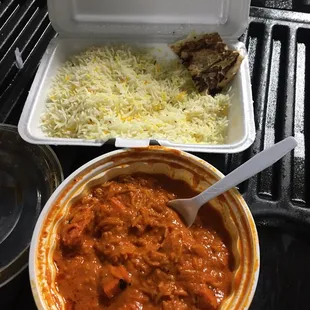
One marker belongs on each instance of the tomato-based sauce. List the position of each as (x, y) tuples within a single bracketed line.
[(121, 247)]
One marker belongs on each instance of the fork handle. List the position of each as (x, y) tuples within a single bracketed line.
[(250, 168)]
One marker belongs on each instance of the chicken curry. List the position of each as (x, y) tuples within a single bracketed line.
[(122, 247)]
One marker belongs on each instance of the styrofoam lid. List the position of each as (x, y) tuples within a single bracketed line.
[(161, 17)]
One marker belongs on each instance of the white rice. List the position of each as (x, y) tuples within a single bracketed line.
[(119, 91)]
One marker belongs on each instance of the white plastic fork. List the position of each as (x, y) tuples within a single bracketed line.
[(188, 208)]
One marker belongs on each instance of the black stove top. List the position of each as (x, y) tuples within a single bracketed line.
[(279, 51)]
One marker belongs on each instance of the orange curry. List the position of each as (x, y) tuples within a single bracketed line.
[(121, 247)]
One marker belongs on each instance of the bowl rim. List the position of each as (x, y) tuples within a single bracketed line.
[(46, 149), (53, 198), (20, 262)]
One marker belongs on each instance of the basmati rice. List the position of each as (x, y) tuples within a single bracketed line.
[(121, 91)]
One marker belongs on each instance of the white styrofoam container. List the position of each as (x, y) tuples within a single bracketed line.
[(151, 23)]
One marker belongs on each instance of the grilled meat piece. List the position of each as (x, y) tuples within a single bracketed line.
[(210, 62)]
